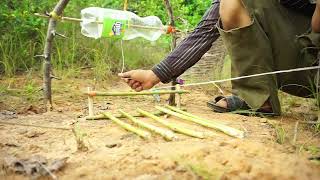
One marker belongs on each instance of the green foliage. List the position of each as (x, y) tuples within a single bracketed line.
[(23, 34)]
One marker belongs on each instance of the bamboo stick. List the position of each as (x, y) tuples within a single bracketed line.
[(167, 134), (97, 93), (102, 117), (142, 133), (172, 126), (178, 88), (204, 122)]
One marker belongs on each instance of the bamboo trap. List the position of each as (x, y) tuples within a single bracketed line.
[(141, 133), (172, 126), (120, 116), (97, 93), (204, 122), (167, 134)]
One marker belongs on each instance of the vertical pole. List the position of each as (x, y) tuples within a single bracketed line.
[(90, 103), (178, 96), (47, 53), (174, 44)]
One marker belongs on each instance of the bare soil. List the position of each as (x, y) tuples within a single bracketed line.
[(114, 153)]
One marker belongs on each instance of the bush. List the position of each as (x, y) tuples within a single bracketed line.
[(22, 36)]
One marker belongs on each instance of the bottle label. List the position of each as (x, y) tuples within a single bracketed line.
[(114, 27)]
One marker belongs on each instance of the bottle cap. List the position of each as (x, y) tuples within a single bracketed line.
[(171, 29)]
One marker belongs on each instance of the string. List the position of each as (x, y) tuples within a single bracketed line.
[(244, 77), (122, 54)]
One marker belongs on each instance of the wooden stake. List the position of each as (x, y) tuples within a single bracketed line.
[(47, 55), (207, 123), (172, 98), (172, 126), (90, 103), (141, 133), (167, 134), (178, 88)]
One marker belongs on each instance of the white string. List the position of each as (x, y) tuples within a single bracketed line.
[(122, 54), (244, 77)]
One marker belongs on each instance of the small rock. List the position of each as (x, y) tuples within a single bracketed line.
[(113, 145), (223, 144), (33, 134), (128, 136), (225, 162), (144, 156), (12, 144), (22, 131), (181, 169), (263, 120)]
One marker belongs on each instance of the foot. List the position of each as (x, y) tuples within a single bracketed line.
[(233, 103)]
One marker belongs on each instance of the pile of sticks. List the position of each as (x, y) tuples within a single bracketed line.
[(143, 128)]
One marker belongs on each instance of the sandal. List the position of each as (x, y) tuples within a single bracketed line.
[(237, 106)]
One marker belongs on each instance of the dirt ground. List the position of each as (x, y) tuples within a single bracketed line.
[(267, 151)]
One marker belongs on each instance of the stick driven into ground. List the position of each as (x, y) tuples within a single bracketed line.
[(167, 3), (207, 123), (167, 134), (47, 53), (141, 133), (172, 126)]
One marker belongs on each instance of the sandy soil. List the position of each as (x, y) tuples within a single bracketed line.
[(114, 153)]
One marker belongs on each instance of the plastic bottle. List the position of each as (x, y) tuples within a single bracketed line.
[(100, 22)]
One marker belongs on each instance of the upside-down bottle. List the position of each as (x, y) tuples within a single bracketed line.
[(100, 22)]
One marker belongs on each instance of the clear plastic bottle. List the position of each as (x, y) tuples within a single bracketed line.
[(100, 22)]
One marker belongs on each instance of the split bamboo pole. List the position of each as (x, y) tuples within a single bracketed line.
[(172, 126), (204, 122), (103, 117), (142, 133), (97, 93), (167, 134)]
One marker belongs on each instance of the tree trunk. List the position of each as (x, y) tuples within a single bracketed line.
[(173, 45), (47, 54)]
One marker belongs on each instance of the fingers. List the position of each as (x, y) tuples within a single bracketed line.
[(138, 89), (126, 74), (136, 85)]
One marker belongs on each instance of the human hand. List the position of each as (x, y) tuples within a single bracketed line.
[(140, 79), (316, 18)]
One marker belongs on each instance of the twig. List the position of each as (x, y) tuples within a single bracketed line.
[(220, 90), (54, 177), (32, 125)]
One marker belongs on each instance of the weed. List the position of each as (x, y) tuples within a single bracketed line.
[(281, 134)]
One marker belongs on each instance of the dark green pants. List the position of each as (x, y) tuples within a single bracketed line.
[(274, 41)]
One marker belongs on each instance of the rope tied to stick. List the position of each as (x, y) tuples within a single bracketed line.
[(55, 16)]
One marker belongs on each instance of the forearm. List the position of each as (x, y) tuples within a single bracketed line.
[(316, 18), (191, 49)]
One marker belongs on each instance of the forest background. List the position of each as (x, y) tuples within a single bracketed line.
[(22, 37)]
